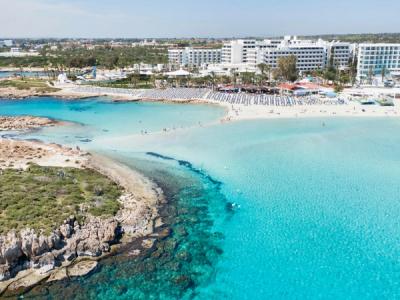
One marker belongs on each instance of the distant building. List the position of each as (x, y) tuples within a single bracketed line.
[(6, 43), (145, 43), (16, 52), (374, 59), (193, 56)]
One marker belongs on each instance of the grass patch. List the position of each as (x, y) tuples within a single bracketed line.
[(41, 198), (26, 84)]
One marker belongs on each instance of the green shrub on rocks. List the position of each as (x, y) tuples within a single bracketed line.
[(41, 198)]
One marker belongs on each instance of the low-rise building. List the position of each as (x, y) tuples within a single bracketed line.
[(6, 43)]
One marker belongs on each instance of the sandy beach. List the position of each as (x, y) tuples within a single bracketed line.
[(235, 112), (19, 154), (242, 112)]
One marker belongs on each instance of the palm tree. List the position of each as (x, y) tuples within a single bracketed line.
[(265, 71), (383, 73), (370, 75), (234, 76), (212, 79)]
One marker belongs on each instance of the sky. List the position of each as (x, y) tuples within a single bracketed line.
[(195, 18)]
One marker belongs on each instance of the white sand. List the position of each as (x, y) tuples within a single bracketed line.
[(242, 112)]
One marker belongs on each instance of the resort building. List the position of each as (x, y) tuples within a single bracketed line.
[(249, 52), (311, 55), (244, 55), (340, 53), (193, 56), (377, 59)]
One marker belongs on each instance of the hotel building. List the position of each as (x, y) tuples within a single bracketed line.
[(249, 52), (374, 58), (194, 56), (311, 55), (245, 54), (340, 53)]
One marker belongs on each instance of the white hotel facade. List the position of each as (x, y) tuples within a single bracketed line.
[(311, 55), (193, 56), (374, 58), (247, 54)]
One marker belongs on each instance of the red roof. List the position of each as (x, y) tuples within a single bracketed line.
[(288, 86)]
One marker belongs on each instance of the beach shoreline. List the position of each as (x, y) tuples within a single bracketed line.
[(234, 112)]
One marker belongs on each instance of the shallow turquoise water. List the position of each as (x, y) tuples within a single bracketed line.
[(320, 206), (4, 74)]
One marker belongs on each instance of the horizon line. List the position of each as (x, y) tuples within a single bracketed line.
[(197, 37)]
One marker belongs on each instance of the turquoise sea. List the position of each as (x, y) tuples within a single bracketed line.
[(4, 74), (319, 205)]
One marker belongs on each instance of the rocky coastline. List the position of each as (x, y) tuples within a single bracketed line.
[(25, 123), (28, 257)]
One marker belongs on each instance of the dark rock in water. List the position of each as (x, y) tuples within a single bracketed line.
[(149, 267), (183, 281), (156, 254), (184, 256), (85, 140), (173, 266), (166, 232), (170, 245), (121, 289), (219, 235), (183, 210), (181, 231)]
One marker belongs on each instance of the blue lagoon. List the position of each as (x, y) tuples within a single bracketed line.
[(319, 205)]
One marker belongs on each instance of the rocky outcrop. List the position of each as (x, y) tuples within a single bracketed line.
[(24, 122), (28, 257), (31, 250)]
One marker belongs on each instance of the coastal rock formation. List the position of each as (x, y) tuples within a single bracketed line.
[(25, 122), (44, 252), (28, 256)]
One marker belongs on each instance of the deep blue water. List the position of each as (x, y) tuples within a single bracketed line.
[(320, 205)]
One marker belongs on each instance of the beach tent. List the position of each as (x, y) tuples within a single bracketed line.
[(178, 73)]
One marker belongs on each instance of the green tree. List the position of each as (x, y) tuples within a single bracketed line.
[(213, 77), (344, 78), (265, 72), (370, 75), (383, 73), (287, 68), (247, 77)]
